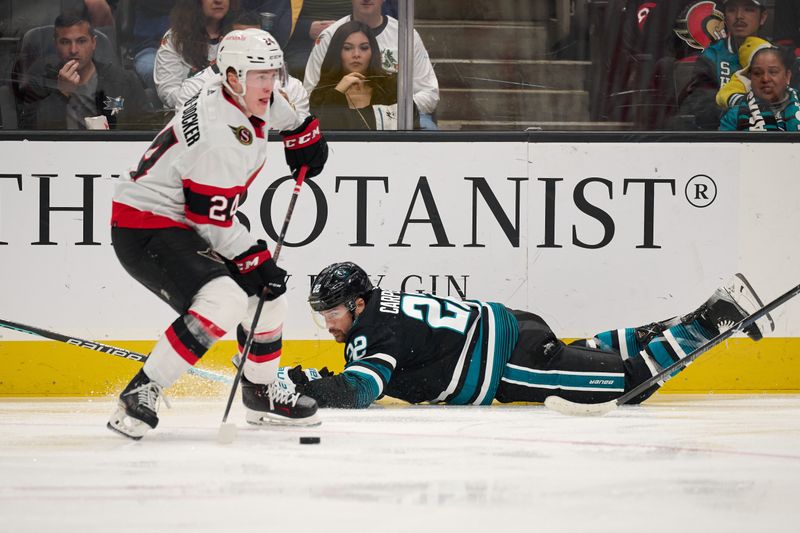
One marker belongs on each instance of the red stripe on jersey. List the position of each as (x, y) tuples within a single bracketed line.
[(254, 174), (205, 219), (125, 216), (231, 101), (210, 190), (211, 328), (262, 358), (258, 125), (180, 348), (271, 334)]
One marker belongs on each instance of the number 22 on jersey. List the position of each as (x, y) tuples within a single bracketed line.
[(436, 312)]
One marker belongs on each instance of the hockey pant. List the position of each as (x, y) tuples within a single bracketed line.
[(178, 266), (593, 370)]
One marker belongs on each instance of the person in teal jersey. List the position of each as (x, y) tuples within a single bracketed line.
[(424, 348), (771, 104)]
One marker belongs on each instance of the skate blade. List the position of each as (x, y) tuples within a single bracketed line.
[(256, 418), (764, 324), (566, 407), (127, 426)]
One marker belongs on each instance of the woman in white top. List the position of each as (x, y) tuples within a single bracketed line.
[(189, 46)]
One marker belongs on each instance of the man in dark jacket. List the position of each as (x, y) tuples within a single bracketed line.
[(62, 91)]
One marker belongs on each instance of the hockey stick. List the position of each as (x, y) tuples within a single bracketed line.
[(102, 348), (567, 407), (227, 432)]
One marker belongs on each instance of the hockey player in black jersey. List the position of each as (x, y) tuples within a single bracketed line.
[(426, 348)]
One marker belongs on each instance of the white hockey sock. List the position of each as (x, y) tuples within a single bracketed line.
[(181, 346), (264, 357)]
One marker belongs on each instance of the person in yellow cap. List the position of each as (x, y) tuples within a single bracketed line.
[(732, 92)]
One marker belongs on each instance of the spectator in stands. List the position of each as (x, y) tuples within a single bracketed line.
[(385, 28), (771, 104), (717, 64), (734, 91), (313, 17), (73, 86), (190, 46), (150, 22), (354, 91)]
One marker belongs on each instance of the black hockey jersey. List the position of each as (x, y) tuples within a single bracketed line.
[(421, 348)]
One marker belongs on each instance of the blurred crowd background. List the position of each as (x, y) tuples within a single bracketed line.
[(496, 65)]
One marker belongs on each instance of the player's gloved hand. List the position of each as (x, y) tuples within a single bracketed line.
[(301, 377), (305, 146), (257, 270)]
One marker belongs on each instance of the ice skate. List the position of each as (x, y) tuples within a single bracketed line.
[(276, 404), (731, 303), (138, 407)]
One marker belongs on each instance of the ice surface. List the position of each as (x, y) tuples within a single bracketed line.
[(710, 463)]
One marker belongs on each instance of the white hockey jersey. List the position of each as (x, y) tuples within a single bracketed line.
[(197, 170), (425, 84)]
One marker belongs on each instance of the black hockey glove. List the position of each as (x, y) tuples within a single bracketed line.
[(300, 378), (305, 146), (257, 269)]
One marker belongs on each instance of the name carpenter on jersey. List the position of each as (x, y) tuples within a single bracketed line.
[(390, 302)]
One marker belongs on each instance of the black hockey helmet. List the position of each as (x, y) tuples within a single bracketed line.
[(339, 283)]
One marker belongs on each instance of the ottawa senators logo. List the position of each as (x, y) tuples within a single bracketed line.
[(242, 134), (700, 24)]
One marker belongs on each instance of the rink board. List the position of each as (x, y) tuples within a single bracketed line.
[(739, 366), (589, 236)]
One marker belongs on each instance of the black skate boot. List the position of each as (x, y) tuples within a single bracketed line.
[(731, 303), (137, 409), (275, 404), (646, 333)]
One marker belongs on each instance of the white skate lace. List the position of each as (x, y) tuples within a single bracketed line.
[(149, 395), (278, 394)]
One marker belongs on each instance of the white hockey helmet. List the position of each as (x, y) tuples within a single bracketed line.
[(245, 50)]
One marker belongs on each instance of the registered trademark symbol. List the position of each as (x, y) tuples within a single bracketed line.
[(701, 191)]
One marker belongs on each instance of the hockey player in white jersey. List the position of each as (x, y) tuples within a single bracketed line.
[(174, 230)]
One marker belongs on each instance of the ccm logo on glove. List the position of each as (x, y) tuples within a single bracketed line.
[(251, 262), (305, 146), (304, 139)]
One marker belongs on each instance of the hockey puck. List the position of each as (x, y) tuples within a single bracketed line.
[(310, 440)]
